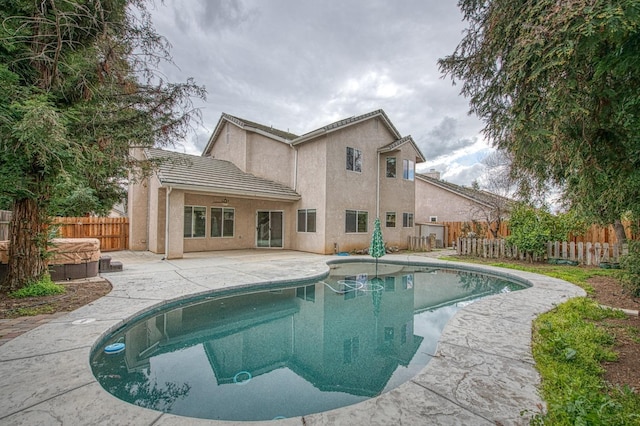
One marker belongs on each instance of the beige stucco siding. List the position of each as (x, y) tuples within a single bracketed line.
[(231, 145), (244, 222), (311, 183), (351, 190), (138, 212), (445, 205), (270, 159), (397, 195)]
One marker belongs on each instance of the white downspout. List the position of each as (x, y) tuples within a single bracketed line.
[(166, 224)]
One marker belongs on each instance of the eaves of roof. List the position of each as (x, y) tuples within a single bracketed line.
[(249, 126), (204, 174), (398, 143), (481, 197), (338, 125)]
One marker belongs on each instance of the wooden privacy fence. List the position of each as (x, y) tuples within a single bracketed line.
[(591, 254), (5, 217), (112, 232), (594, 234)]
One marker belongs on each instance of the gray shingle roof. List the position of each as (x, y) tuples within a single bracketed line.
[(246, 123), (395, 144), (213, 175), (346, 122), (479, 196)]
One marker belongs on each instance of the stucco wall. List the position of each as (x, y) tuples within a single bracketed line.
[(397, 195), (312, 186), (138, 213), (447, 206), (231, 145), (245, 222), (270, 159)]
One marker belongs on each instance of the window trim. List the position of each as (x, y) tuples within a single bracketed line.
[(408, 170), (386, 219), (358, 213), (306, 220), (433, 219), (192, 236), (356, 160), (395, 167), (222, 235), (406, 218)]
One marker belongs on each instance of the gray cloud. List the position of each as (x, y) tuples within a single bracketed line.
[(298, 65)]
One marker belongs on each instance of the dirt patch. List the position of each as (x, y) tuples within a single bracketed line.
[(609, 292), (78, 293)]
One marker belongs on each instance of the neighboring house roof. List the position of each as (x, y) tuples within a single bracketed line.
[(482, 197), (250, 126), (396, 144), (338, 125), (197, 173)]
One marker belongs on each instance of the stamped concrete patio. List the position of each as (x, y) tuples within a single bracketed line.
[(482, 374)]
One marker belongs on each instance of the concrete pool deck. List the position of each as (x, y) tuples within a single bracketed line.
[(483, 372)]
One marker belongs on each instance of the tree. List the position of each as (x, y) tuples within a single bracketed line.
[(531, 228), (558, 88), (496, 189), (78, 89)]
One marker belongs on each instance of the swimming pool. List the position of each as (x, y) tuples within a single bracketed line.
[(292, 349)]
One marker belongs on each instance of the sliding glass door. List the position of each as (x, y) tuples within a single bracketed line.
[(269, 229)]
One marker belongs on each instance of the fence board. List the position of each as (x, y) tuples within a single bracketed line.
[(112, 232), (591, 254)]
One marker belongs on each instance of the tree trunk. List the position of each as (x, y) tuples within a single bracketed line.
[(27, 245), (621, 236)]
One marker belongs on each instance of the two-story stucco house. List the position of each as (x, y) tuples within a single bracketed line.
[(259, 187)]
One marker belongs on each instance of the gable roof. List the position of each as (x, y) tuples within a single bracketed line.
[(250, 126), (338, 125), (198, 173), (396, 144), (482, 197)]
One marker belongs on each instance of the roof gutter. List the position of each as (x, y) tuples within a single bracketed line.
[(237, 193)]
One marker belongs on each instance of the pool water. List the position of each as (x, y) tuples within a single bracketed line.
[(292, 350)]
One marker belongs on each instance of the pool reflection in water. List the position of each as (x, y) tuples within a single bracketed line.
[(290, 351)]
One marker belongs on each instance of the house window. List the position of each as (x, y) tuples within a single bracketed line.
[(391, 220), (307, 220), (195, 221), (408, 171), (222, 222), (356, 221), (433, 218), (407, 220), (391, 167), (354, 159)]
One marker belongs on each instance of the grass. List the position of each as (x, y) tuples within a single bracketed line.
[(43, 287), (569, 345)]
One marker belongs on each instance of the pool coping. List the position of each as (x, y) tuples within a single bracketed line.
[(482, 372)]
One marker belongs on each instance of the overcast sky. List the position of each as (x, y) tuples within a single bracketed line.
[(298, 65)]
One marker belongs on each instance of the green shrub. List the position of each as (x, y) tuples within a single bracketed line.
[(631, 265), (43, 287)]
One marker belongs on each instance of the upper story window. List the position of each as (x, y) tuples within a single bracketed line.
[(354, 159), (433, 218), (356, 221), (390, 221), (222, 221), (391, 167), (408, 169), (407, 220), (307, 220), (195, 221)]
